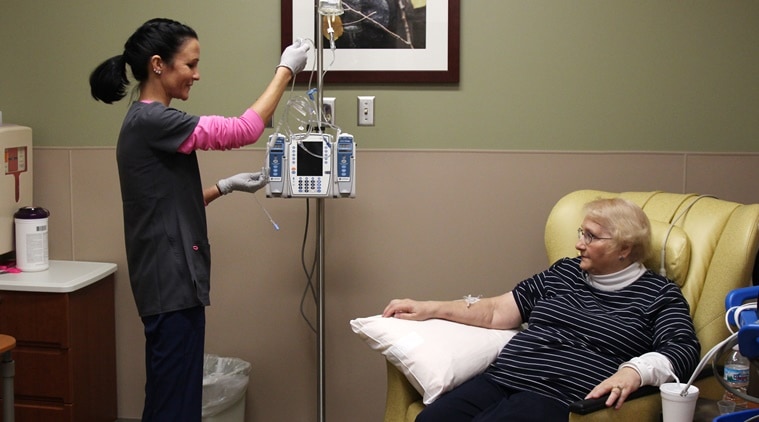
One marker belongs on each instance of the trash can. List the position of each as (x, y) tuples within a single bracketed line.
[(225, 381)]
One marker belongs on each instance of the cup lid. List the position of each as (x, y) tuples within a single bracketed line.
[(675, 388)]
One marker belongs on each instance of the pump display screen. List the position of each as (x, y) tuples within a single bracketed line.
[(310, 158), (310, 166)]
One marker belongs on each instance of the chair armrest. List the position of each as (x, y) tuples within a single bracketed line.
[(584, 407), (403, 401)]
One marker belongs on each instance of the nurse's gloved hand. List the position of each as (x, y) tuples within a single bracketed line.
[(295, 56), (245, 182)]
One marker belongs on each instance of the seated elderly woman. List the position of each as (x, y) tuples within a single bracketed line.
[(598, 324)]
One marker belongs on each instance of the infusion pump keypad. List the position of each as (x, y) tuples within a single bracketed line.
[(310, 185)]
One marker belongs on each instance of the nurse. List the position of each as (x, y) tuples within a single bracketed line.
[(164, 202)]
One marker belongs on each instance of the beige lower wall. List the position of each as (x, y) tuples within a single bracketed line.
[(424, 225)]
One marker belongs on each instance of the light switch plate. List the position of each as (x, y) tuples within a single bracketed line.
[(366, 110)]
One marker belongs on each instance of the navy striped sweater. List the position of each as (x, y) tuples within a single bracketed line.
[(578, 335)]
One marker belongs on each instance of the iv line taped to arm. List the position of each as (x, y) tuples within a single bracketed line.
[(470, 300)]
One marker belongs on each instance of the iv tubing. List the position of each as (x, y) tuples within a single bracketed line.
[(276, 227), (703, 362), (663, 267), (719, 346)]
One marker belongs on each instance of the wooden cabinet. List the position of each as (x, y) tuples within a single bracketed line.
[(65, 353)]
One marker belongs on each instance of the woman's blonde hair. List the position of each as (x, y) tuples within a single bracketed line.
[(626, 223)]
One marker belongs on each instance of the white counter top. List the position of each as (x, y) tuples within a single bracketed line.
[(61, 277)]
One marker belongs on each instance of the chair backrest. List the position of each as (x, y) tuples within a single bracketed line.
[(710, 249)]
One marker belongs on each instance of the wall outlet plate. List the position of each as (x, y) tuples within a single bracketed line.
[(328, 109)]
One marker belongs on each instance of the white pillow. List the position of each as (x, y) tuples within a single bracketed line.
[(435, 355)]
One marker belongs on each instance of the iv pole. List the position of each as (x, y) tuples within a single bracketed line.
[(320, 346)]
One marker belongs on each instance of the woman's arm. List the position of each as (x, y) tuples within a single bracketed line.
[(499, 312), (223, 133), (218, 133), (211, 193), (677, 352), (267, 103)]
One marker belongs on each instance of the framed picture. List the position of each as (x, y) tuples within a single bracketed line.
[(380, 41)]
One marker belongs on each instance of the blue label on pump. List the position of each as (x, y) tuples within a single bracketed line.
[(276, 158), (344, 157)]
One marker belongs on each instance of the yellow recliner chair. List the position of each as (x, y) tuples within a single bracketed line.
[(710, 246)]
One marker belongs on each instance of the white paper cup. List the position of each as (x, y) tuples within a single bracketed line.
[(676, 408)]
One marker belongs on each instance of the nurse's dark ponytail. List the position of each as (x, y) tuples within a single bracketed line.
[(108, 82), (161, 37)]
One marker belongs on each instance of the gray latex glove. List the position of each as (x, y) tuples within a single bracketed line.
[(245, 182), (294, 57)]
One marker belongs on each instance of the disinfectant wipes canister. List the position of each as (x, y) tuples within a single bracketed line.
[(31, 238)]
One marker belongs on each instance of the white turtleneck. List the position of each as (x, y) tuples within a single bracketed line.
[(618, 280)]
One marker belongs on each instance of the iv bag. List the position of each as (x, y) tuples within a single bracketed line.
[(333, 22)]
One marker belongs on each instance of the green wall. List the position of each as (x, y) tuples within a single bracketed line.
[(656, 75)]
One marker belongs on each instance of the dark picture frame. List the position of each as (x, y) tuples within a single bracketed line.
[(436, 62)]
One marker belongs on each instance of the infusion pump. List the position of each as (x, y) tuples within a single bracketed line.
[(311, 166)]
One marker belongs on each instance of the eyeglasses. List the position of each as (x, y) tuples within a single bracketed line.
[(588, 237)]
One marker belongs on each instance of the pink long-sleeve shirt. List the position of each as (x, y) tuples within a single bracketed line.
[(222, 133)]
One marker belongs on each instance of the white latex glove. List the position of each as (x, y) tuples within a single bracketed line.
[(245, 182), (295, 56)]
